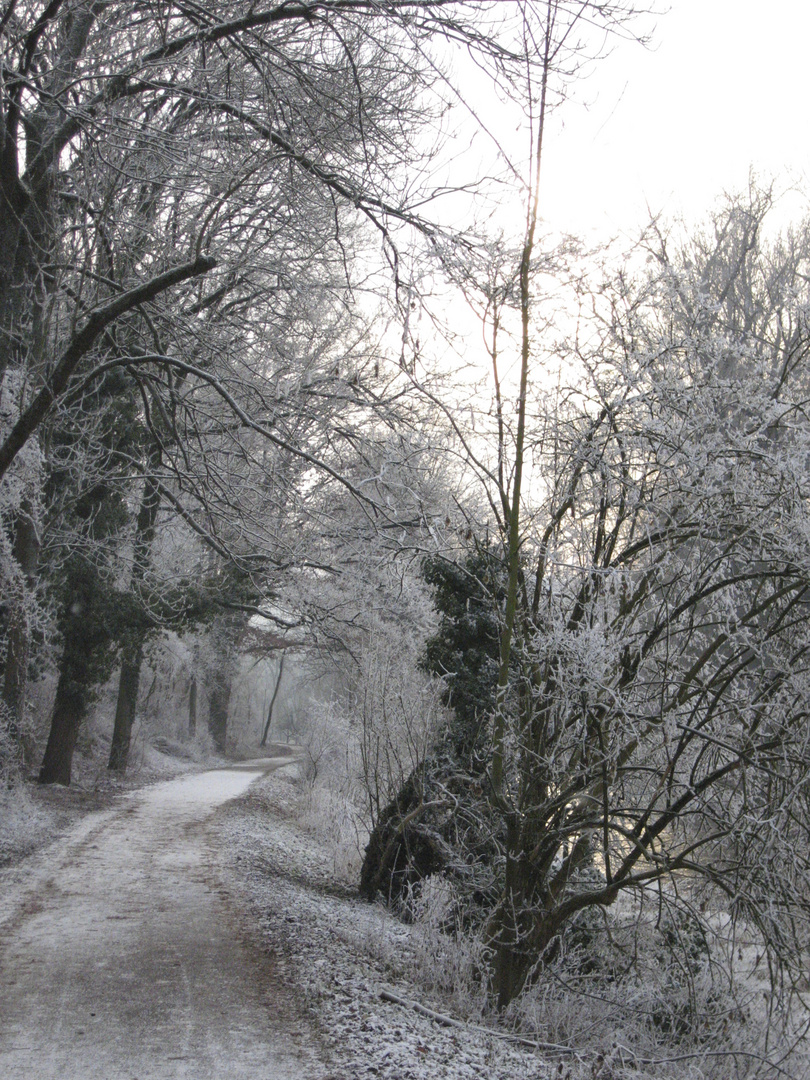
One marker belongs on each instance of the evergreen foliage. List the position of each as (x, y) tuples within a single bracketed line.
[(464, 651), (440, 821)]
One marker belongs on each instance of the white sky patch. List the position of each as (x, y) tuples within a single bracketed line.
[(720, 92), (722, 89)]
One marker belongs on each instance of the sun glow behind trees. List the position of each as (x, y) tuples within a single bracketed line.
[(288, 417)]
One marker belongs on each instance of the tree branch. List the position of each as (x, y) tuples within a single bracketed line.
[(81, 344)]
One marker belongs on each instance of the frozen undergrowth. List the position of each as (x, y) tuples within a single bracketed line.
[(340, 955), (24, 823)]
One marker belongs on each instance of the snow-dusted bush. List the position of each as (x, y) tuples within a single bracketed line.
[(23, 824), (9, 752), (455, 963), (653, 988)]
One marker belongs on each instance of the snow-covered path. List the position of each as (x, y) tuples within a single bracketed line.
[(121, 957)]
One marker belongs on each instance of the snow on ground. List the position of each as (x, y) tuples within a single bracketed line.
[(32, 815), (136, 918), (340, 954), (123, 958)]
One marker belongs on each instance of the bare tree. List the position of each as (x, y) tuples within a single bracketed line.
[(134, 139), (650, 736)]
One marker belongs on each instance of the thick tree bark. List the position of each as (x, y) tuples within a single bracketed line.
[(132, 653), (225, 634), (86, 659), (126, 704), (70, 708), (218, 702)]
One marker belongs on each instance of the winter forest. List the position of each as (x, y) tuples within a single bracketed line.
[(316, 439)]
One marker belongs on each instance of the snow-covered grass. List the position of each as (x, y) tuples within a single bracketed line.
[(24, 823), (362, 974), (341, 955)]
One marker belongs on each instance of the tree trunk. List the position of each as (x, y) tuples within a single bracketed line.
[(223, 639), (510, 968), (192, 707), (29, 222), (70, 707), (218, 702), (266, 731), (510, 963), (132, 653), (131, 660), (86, 660)]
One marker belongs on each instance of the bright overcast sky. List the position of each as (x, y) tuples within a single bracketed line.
[(723, 88)]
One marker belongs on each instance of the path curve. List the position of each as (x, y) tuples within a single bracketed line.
[(123, 958)]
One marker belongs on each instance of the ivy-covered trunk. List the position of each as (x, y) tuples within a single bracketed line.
[(218, 701), (132, 653), (221, 670), (88, 637), (416, 834), (84, 647)]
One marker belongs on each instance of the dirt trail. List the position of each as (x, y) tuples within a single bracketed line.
[(121, 957)]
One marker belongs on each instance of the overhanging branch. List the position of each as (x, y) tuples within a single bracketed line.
[(82, 342)]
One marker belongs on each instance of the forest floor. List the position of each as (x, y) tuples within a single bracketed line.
[(207, 927), (366, 981), (34, 815), (122, 956), (197, 928)]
